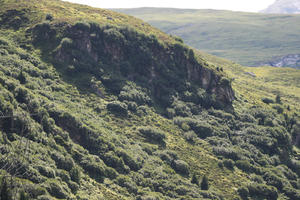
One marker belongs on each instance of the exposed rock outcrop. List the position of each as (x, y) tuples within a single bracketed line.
[(120, 52), (292, 60)]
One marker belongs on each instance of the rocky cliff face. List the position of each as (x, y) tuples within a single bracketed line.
[(113, 55), (292, 60), (284, 7)]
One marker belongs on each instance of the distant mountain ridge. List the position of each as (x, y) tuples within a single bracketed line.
[(284, 7)]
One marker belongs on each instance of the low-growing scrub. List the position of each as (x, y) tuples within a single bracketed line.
[(153, 134), (118, 108)]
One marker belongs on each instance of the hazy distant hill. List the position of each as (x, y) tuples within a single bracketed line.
[(284, 7), (247, 38)]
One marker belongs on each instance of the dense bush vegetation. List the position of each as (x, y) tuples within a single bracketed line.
[(109, 111), (153, 134)]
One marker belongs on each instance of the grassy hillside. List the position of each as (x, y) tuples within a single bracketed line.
[(261, 81), (246, 38), (95, 108)]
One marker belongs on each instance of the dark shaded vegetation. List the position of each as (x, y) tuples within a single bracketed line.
[(204, 183)]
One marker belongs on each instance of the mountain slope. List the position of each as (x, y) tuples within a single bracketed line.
[(284, 7), (94, 108), (250, 39)]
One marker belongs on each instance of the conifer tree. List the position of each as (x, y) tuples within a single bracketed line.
[(278, 99), (204, 183)]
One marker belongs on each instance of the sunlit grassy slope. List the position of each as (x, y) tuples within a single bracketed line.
[(68, 12), (246, 38), (264, 82)]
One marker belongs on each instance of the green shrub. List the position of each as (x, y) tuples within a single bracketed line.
[(227, 152), (43, 32), (295, 166), (49, 17), (204, 183), (225, 81), (243, 192), (110, 172), (59, 140), (134, 93), (190, 136), (171, 112), (181, 190), (56, 190), (117, 108), (113, 35), (181, 167), (220, 164), (73, 186), (132, 106), (63, 162), (46, 171), (288, 173), (278, 108), (291, 192), (202, 129), (154, 134), (262, 191), (64, 175), (295, 132), (168, 156), (195, 180), (267, 100), (181, 109), (178, 39), (257, 179), (22, 95), (83, 26), (228, 164), (245, 117), (36, 191), (75, 174), (95, 169), (22, 77), (134, 165), (191, 56), (274, 180), (126, 182), (48, 124), (115, 162), (244, 165), (278, 99)]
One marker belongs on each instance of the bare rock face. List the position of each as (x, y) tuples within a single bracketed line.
[(219, 86), (284, 7), (292, 60)]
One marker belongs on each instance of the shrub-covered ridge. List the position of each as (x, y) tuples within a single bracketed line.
[(92, 110)]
